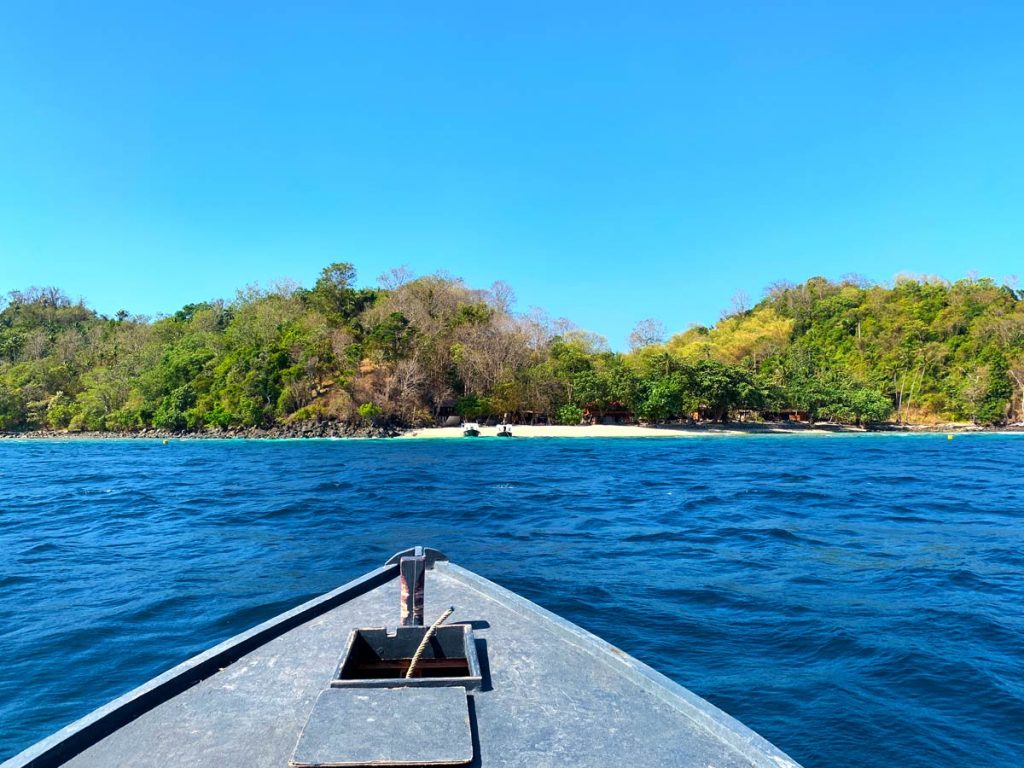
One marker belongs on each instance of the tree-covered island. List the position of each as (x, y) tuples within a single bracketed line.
[(413, 351)]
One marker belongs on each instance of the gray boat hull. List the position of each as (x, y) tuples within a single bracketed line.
[(553, 694)]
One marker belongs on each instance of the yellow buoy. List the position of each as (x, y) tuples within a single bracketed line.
[(949, 437), (166, 441)]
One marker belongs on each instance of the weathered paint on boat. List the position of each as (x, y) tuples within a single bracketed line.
[(552, 694)]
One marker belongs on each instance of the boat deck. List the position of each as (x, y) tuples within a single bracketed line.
[(552, 695)]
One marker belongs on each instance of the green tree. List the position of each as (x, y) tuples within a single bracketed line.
[(471, 406), (569, 414), (12, 409), (718, 388), (392, 337), (370, 412), (336, 297), (662, 398)]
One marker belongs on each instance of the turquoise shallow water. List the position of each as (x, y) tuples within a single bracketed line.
[(855, 599)]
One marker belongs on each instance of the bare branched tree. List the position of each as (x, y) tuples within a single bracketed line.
[(645, 333), (395, 278), (738, 305), (502, 297)]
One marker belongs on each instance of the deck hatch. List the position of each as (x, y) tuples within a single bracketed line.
[(374, 658), (386, 727)]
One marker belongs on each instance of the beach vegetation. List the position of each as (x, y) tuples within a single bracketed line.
[(370, 412), (569, 414), (471, 406)]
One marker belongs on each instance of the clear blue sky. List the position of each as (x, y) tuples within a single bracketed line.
[(611, 161)]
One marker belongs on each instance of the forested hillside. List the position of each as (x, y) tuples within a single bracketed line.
[(412, 350)]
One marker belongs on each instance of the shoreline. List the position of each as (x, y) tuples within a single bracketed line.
[(629, 430), (339, 432), (705, 430)]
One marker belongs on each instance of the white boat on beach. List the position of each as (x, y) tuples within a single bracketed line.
[(470, 429)]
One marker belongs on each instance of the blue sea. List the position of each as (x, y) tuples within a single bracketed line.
[(858, 600)]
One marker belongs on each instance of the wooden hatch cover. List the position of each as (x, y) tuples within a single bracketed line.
[(386, 727)]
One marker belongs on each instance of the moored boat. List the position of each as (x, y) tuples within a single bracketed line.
[(504, 430), (470, 429), (499, 681)]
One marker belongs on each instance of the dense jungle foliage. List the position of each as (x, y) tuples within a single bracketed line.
[(415, 349)]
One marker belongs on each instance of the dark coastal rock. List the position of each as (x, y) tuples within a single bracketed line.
[(298, 430)]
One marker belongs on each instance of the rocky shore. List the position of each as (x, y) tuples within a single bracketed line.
[(323, 429)]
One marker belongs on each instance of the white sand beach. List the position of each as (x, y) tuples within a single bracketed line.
[(617, 430)]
